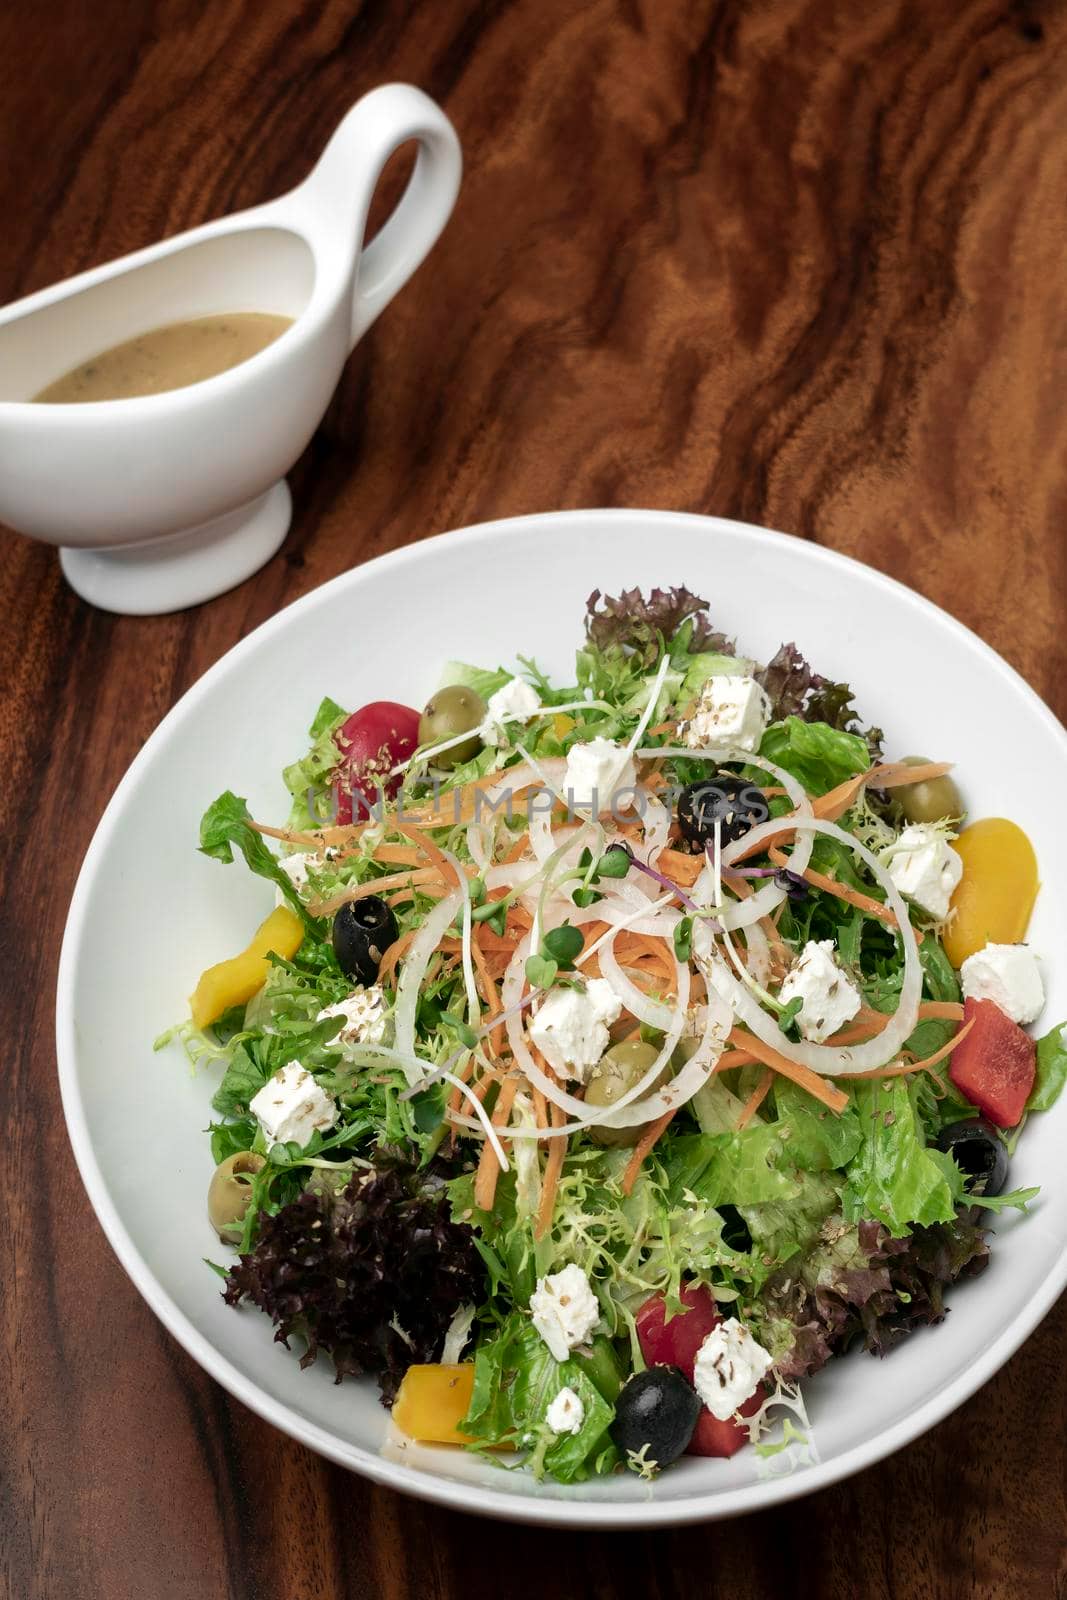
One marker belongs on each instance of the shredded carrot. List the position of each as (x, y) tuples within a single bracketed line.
[(892, 775), (400, 897), (857, 1032), (835, 802), (655, 949), (843, 891), (387, 965), (760, 846), (680, 868), (870, 1022), (444, 867), (557, 1150), (458, 805), (489, 992), (494, 941), (898, 1069), (518, 849), (463, 1073), (488, 1165), (310, 841), (489, 1077), (734, 1058), (944, 1010), (397, 855), (897, 774), (359, 891), (794, 1070), (756, 1098), (643, 1148)]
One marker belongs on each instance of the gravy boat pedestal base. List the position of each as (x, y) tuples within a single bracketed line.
[(189, 567)]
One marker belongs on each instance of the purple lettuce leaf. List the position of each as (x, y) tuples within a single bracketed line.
[(795, 689), (633, 623), (372, 1275), (861, 1286)]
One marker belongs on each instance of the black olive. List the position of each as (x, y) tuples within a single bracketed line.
[(978, 1152), (738, 804), (655, 1415), (734, 1228), (363, 930)]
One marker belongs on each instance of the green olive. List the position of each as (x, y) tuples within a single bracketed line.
[(230, 1191), (453, 711), (617, 1071), (685, 1050), (931, 800)]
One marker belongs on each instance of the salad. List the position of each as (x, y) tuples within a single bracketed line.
[(618, 1052)]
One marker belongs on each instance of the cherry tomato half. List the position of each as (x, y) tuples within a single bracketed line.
[(372, 740)]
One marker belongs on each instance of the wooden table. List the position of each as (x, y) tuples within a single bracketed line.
[(798, 261)]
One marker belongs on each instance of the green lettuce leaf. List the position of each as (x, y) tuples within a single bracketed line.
[(610, 674), (483, 680), (245, 1076), (820, 756), (227, 823), (882, 990), (781, 1229), (741, 1169), (1051, 1069), (894, 1177), (516, 1378), (701, 667), (816, 1139), (308, 780)]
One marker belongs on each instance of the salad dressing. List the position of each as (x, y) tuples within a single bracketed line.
[(171, 357)]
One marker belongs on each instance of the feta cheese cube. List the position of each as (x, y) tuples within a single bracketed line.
[(570, 1027), (291, 1105), (565, 1310), (365, 1016), (295, 868), (566, 1413), (924, 866), (1007, 974), (730, 711), (829, 997), (730, 1366), (596, 772), (515, 702)]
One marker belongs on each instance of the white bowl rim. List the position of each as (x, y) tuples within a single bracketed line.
[(462, 1496)]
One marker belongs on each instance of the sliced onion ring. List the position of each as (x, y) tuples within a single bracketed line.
[(656, 1013), (827, 1059), (671, 1097), (413, 971), (742, 913)]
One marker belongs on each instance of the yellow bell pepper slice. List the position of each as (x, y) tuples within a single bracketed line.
[(432, 1402), (233, 982), (995, 896), (562, 724)]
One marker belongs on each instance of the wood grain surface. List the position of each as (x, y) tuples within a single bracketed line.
[(794, 261)]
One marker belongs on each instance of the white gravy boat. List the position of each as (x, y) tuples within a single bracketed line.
[(166, 500)]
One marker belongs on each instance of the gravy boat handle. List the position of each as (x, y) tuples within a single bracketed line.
[(336, 195)]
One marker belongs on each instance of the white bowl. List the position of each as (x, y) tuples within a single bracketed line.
[(149, 912)]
